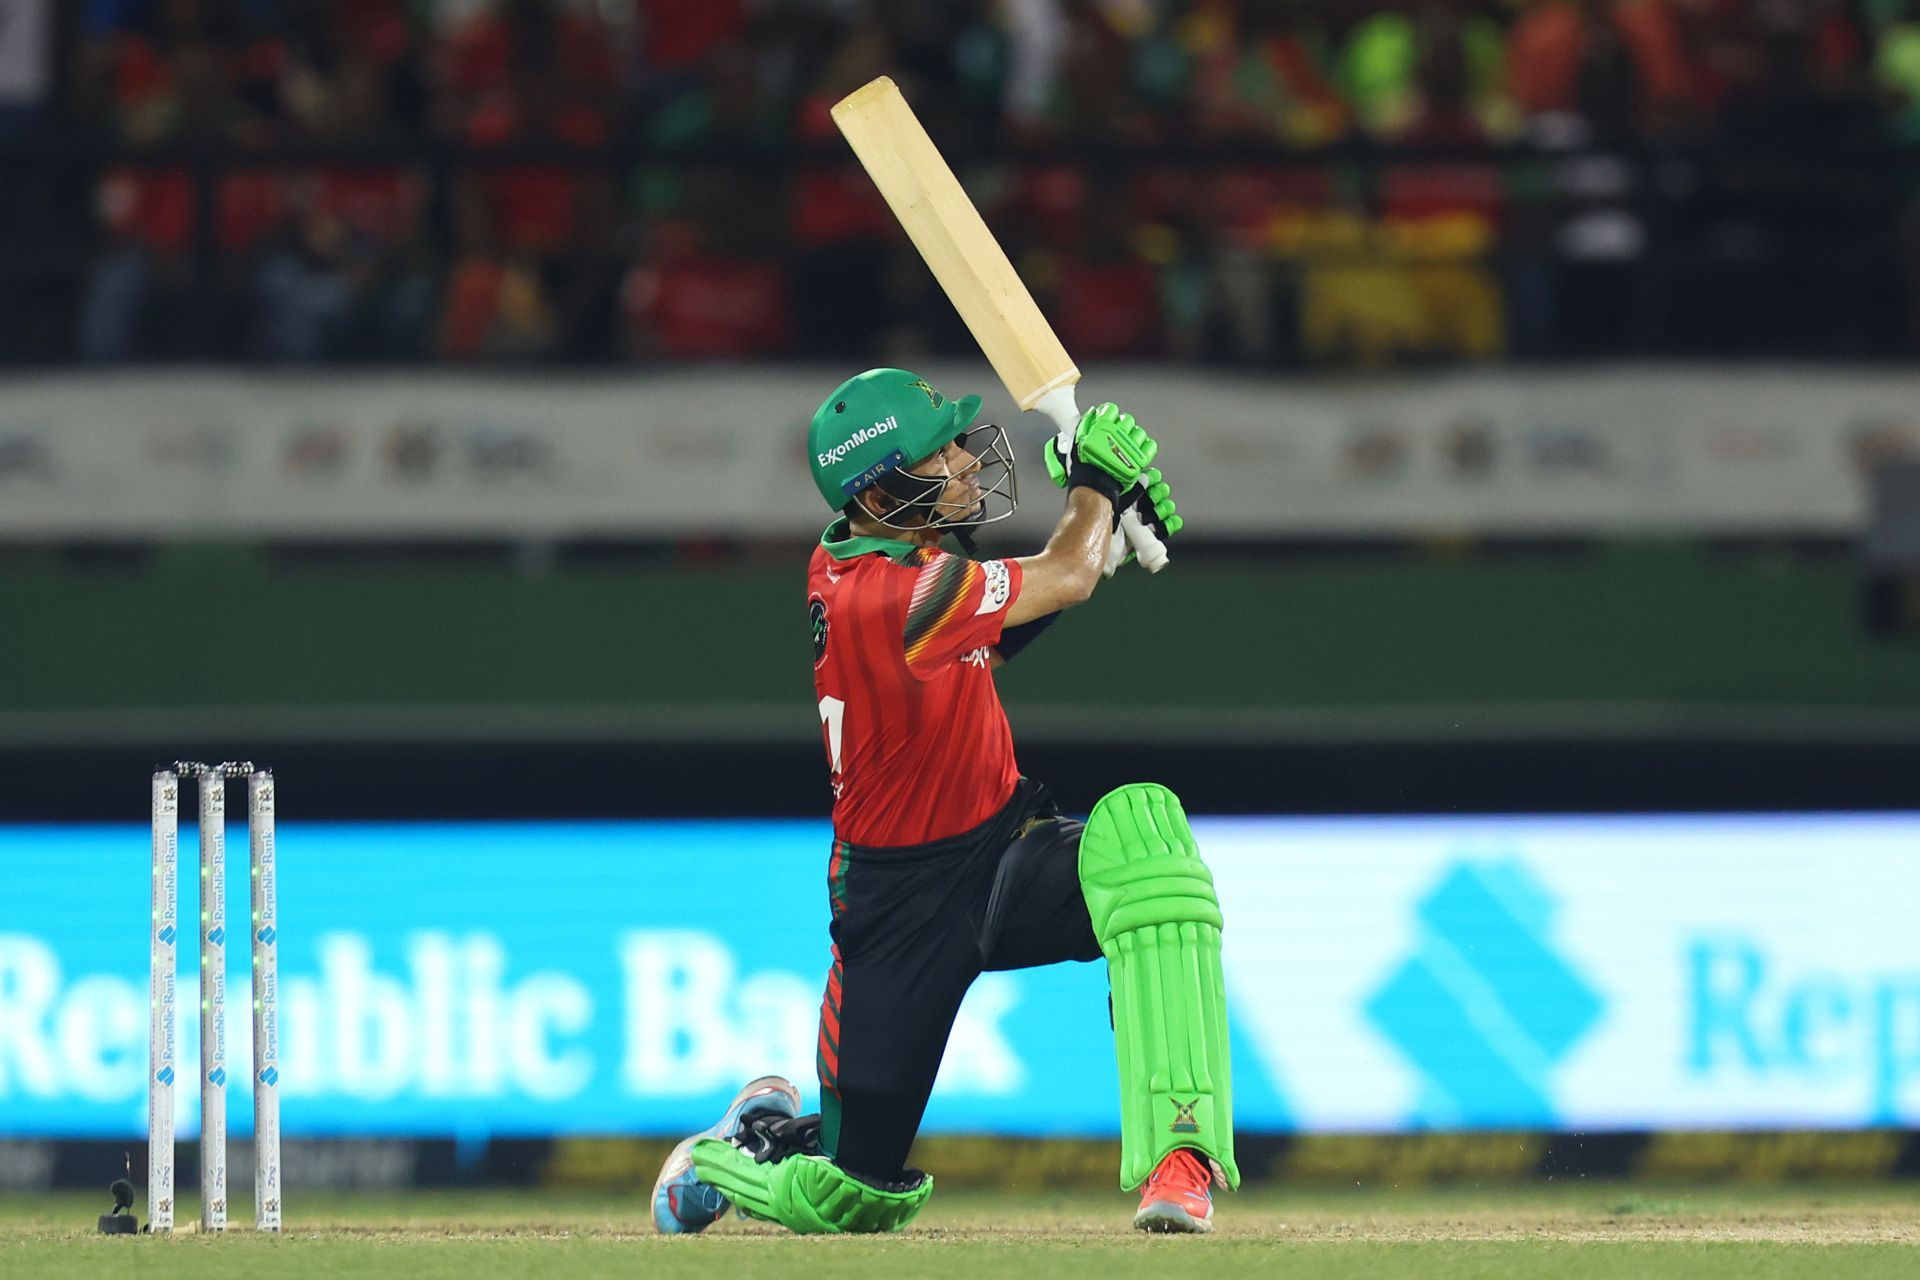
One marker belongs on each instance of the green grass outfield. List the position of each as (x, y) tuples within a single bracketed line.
[(1574, 1230)]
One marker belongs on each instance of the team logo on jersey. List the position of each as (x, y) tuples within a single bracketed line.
[(817, 616), (999, 585), (1183, 1121), (934, 396)]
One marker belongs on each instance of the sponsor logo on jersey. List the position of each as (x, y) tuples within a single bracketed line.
[(858, 438), (999, 587)]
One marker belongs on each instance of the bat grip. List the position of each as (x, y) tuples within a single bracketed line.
[(1147, 549), (1060, 405)]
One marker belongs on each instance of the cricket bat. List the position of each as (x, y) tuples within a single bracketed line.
[(974, 271)]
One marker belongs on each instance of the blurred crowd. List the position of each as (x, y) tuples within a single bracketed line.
[(1269, 182)]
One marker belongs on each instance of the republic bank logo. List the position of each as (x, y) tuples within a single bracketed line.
[(1485, 1008)]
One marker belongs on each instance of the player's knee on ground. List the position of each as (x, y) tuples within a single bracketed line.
[(808, 1194), (1158, 920)]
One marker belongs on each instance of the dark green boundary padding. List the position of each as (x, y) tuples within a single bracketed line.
[(1488, 1157), (1665, 622)]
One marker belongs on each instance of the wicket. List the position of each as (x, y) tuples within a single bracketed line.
[(263, 932)]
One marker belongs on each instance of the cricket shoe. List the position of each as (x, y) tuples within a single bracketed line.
[(682, 1204), (1178, 1196)]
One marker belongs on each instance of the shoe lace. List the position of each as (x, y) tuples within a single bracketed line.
[(1182, 1172)]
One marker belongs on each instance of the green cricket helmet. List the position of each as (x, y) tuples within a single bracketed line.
[(877, 424)]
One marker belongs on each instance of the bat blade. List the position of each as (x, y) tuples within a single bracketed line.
[(954, 241), (973, 270)]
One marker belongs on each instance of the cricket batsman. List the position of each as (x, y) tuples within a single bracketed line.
[(946, 861)]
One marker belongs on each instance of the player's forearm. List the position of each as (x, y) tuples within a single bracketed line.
[(1066, 572), (1080, 539)]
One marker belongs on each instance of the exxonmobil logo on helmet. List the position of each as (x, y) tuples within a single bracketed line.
[(858, 438)]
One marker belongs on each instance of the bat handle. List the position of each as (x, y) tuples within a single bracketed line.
[(1059, 405), (1147, 549)]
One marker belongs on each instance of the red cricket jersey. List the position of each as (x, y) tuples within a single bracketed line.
[(916, 738)]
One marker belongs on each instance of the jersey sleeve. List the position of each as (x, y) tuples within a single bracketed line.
[(958, 605)]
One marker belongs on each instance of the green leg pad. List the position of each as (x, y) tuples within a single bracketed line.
[(810, 1195), (1158, 922)]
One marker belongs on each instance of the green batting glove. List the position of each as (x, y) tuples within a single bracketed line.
[(1156, 505), (1057, 462), (1152, 501), (1115, 443)]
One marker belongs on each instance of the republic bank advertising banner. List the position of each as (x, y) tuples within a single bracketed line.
[(1384, 975)]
